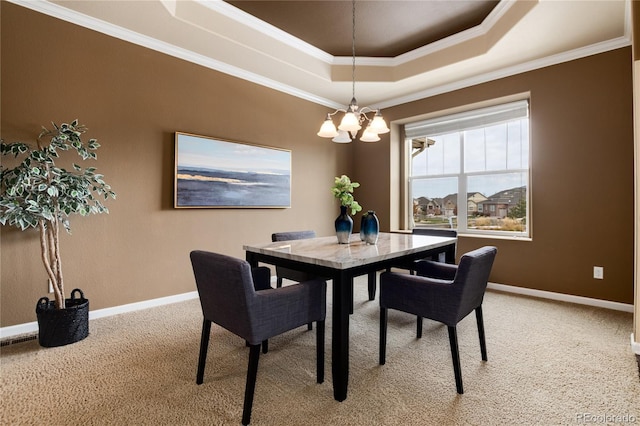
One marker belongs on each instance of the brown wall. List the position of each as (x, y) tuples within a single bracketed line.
[(133, 100), (582, 176), (635, 16)]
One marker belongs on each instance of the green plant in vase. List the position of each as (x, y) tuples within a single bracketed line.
[(342, 189)]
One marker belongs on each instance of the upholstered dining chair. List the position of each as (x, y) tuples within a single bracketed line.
[(286, 273), (229, 298), (441, 292), (438, 232), (292, 274)]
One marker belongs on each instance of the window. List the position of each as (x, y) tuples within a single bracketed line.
[(478, 159)]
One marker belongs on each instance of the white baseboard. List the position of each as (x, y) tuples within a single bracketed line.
[(32, 327), (616, 306), (635, 346)]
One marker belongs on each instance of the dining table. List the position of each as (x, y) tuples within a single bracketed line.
[(341, 263)]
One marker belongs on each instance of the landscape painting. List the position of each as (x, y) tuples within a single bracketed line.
[(213, 173)]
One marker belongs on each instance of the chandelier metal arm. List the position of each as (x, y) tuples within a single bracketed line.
[(362, 112), (331, 114)]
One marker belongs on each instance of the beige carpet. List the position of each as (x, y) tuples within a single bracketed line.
[(549, 363)]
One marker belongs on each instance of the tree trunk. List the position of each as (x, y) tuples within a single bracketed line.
[(50, 250)]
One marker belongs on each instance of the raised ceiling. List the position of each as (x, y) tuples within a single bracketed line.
[(305, 49), (383, 28)]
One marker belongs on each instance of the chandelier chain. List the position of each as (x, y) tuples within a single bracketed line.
[(353, 49)]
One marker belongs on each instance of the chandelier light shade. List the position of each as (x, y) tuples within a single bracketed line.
[(342, 137), (354, 116), (369, 135), (378, 125), (328, 129), (350, 122)]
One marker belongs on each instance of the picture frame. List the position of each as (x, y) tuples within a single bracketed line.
[(218, 173)]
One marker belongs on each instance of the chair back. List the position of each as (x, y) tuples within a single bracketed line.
[(294, 235), (438, 232), (226, 291), (292, 274), (472, 276)]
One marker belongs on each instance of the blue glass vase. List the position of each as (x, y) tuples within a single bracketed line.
[(369, 227), (344, 226)]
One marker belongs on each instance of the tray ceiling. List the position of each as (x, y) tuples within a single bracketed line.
[(405, 50)]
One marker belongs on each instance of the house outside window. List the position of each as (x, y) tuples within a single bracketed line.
[(478, 159)]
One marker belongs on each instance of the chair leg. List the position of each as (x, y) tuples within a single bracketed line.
[(419, 327), (252, 373), (265, 346), (372, 285), (310, 326), (278, 282), (455, 355), (320, 351), (483, 344), (204, 345), (383, 335)]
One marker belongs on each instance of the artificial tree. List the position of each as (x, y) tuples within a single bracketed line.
[(37, 193)]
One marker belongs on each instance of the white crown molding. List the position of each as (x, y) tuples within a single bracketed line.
[(267, 29), (60, 12), (513, 70), (124, 34), (445, 43), (286, 38), (478, 31)]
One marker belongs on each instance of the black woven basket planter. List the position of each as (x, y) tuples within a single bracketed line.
[(59, 327)]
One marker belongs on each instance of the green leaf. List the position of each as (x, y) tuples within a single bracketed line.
[(36, 189)]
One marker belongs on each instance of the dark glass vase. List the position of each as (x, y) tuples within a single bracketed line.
[(369, 227), (344, 226)]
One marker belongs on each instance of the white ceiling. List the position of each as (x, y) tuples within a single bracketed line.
[(517, 36)]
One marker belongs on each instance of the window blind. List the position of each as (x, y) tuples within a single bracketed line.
[(468, 120)]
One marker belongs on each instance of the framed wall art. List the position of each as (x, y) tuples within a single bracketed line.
[(215, 173)]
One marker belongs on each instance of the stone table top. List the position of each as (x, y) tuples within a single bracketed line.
[(325, 251)]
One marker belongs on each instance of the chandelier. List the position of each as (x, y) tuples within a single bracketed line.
[(354, 116)]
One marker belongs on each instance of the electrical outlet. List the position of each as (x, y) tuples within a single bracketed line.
[(598, 272), (50, 285)]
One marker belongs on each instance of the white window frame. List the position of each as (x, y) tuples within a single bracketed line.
[(471, 118)]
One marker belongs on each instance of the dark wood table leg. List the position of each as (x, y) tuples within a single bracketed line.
[(342, 284)]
